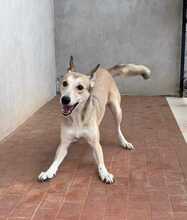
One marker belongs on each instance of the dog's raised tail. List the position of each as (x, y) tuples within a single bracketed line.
[(130, 70)]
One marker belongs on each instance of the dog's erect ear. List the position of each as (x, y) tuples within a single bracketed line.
[(71, 67), (92, 75), (92, 72)]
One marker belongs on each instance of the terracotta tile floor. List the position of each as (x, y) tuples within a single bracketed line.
[(151, 182)]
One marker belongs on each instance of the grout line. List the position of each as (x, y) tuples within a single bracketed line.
[(67, 190), (168, 196), (128, 192), (21, 199), (38, 206), (85, 198), (110, 166), (88, 187)]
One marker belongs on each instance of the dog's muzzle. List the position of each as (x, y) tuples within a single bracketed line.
[(67, 109)]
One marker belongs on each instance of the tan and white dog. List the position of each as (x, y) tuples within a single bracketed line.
[(83, 102)]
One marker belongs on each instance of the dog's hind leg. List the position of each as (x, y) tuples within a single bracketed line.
[(114, 104)]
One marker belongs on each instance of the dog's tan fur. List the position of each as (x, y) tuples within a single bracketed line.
[(99, 89)]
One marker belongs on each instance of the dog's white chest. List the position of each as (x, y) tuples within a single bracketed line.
[(79, 132)]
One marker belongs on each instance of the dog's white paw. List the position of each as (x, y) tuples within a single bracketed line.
[(105, 176), (129, 146), (126, 144), (44, 176)]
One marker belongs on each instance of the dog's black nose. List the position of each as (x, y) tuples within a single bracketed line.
[(65, 100)]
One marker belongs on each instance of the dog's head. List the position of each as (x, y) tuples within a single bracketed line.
[(75, 88)]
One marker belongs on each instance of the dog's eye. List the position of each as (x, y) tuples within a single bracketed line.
[(65, 83), (80, 87)]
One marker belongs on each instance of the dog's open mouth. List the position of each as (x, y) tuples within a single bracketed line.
[(67, 109)]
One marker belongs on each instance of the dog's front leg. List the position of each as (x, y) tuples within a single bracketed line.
[(59, 157), (98, 156), (103, 172)]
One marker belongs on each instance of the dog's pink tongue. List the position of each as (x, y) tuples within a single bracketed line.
[(66, 108)]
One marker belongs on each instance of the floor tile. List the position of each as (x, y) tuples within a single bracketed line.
[(150, 182)]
